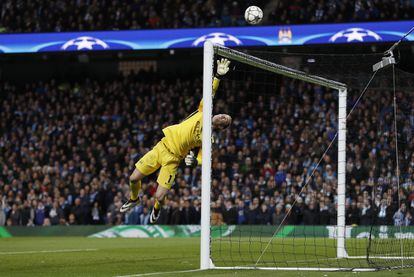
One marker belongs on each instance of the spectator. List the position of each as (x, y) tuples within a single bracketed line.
[(46, 222), (166, 211), (197, 210), (290, 219), (280, 176), (241, 212), (134, 216), (384, 213), (253, 212), (15, 215), (399, 216), (2, 212), (230, 215), (263, 217), (78, 212), (366, 213), (188, 214), (55, 214), (176, 215), (39, 213), (353, 214), (311, 215), (27, 213), (324, 218), (144, 217), (278, 216), (96, 214), (72, 219), (408, 220)]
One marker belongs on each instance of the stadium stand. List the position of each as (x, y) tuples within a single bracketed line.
[(67, 149), (64, 15), (300, 11)]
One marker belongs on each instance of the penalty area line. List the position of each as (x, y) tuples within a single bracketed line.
[(48, 251), (161, 273)]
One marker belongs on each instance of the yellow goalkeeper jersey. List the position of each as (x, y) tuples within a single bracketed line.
[(181, 138)]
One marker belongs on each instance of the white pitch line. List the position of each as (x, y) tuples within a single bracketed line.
[(161, 273), (48, 251)]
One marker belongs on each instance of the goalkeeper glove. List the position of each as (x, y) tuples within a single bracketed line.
[(222, 67), (190, 160)]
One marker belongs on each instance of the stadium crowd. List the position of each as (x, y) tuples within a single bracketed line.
[(65, 15), (67, 149), (302, 11)]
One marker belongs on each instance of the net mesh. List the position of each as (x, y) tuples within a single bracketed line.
[(391, 240), (274, 172)]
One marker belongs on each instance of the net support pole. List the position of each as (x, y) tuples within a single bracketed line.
[(341, 252), (206, 155)]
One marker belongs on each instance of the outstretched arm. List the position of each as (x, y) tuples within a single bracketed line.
[(222, 69)]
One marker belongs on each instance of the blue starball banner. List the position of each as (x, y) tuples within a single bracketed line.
[(189, 38)]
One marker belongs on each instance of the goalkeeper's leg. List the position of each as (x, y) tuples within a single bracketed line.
[(147, 165), (135, 185), (158, 202), (165, 181)]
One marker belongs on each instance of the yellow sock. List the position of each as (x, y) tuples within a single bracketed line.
[(135, 188), (157, 204)]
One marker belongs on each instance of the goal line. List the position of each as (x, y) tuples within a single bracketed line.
[(328, 269)]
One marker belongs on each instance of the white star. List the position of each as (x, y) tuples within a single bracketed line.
[(84, 44), (217, 38), (355, 35)]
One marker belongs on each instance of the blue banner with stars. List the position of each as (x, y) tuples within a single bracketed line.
[(190, 38)]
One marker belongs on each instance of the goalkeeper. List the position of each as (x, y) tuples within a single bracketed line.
[(178, 143)]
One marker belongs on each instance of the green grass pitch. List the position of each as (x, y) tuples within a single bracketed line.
[(76, 256)]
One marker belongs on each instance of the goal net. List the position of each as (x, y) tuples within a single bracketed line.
[(298, 180), (390, 169)]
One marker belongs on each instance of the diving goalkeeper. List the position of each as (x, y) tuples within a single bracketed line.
[(179, 142)]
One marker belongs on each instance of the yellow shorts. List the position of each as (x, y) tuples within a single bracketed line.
[(158, 157)]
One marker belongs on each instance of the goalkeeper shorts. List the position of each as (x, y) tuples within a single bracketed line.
[(158, 157)]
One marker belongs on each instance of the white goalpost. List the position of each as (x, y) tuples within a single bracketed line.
[(209, 52), (206, 155)]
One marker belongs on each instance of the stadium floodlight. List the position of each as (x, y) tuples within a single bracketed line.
[(266, 247)]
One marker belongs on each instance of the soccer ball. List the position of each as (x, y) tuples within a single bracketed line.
[(253, 15)]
